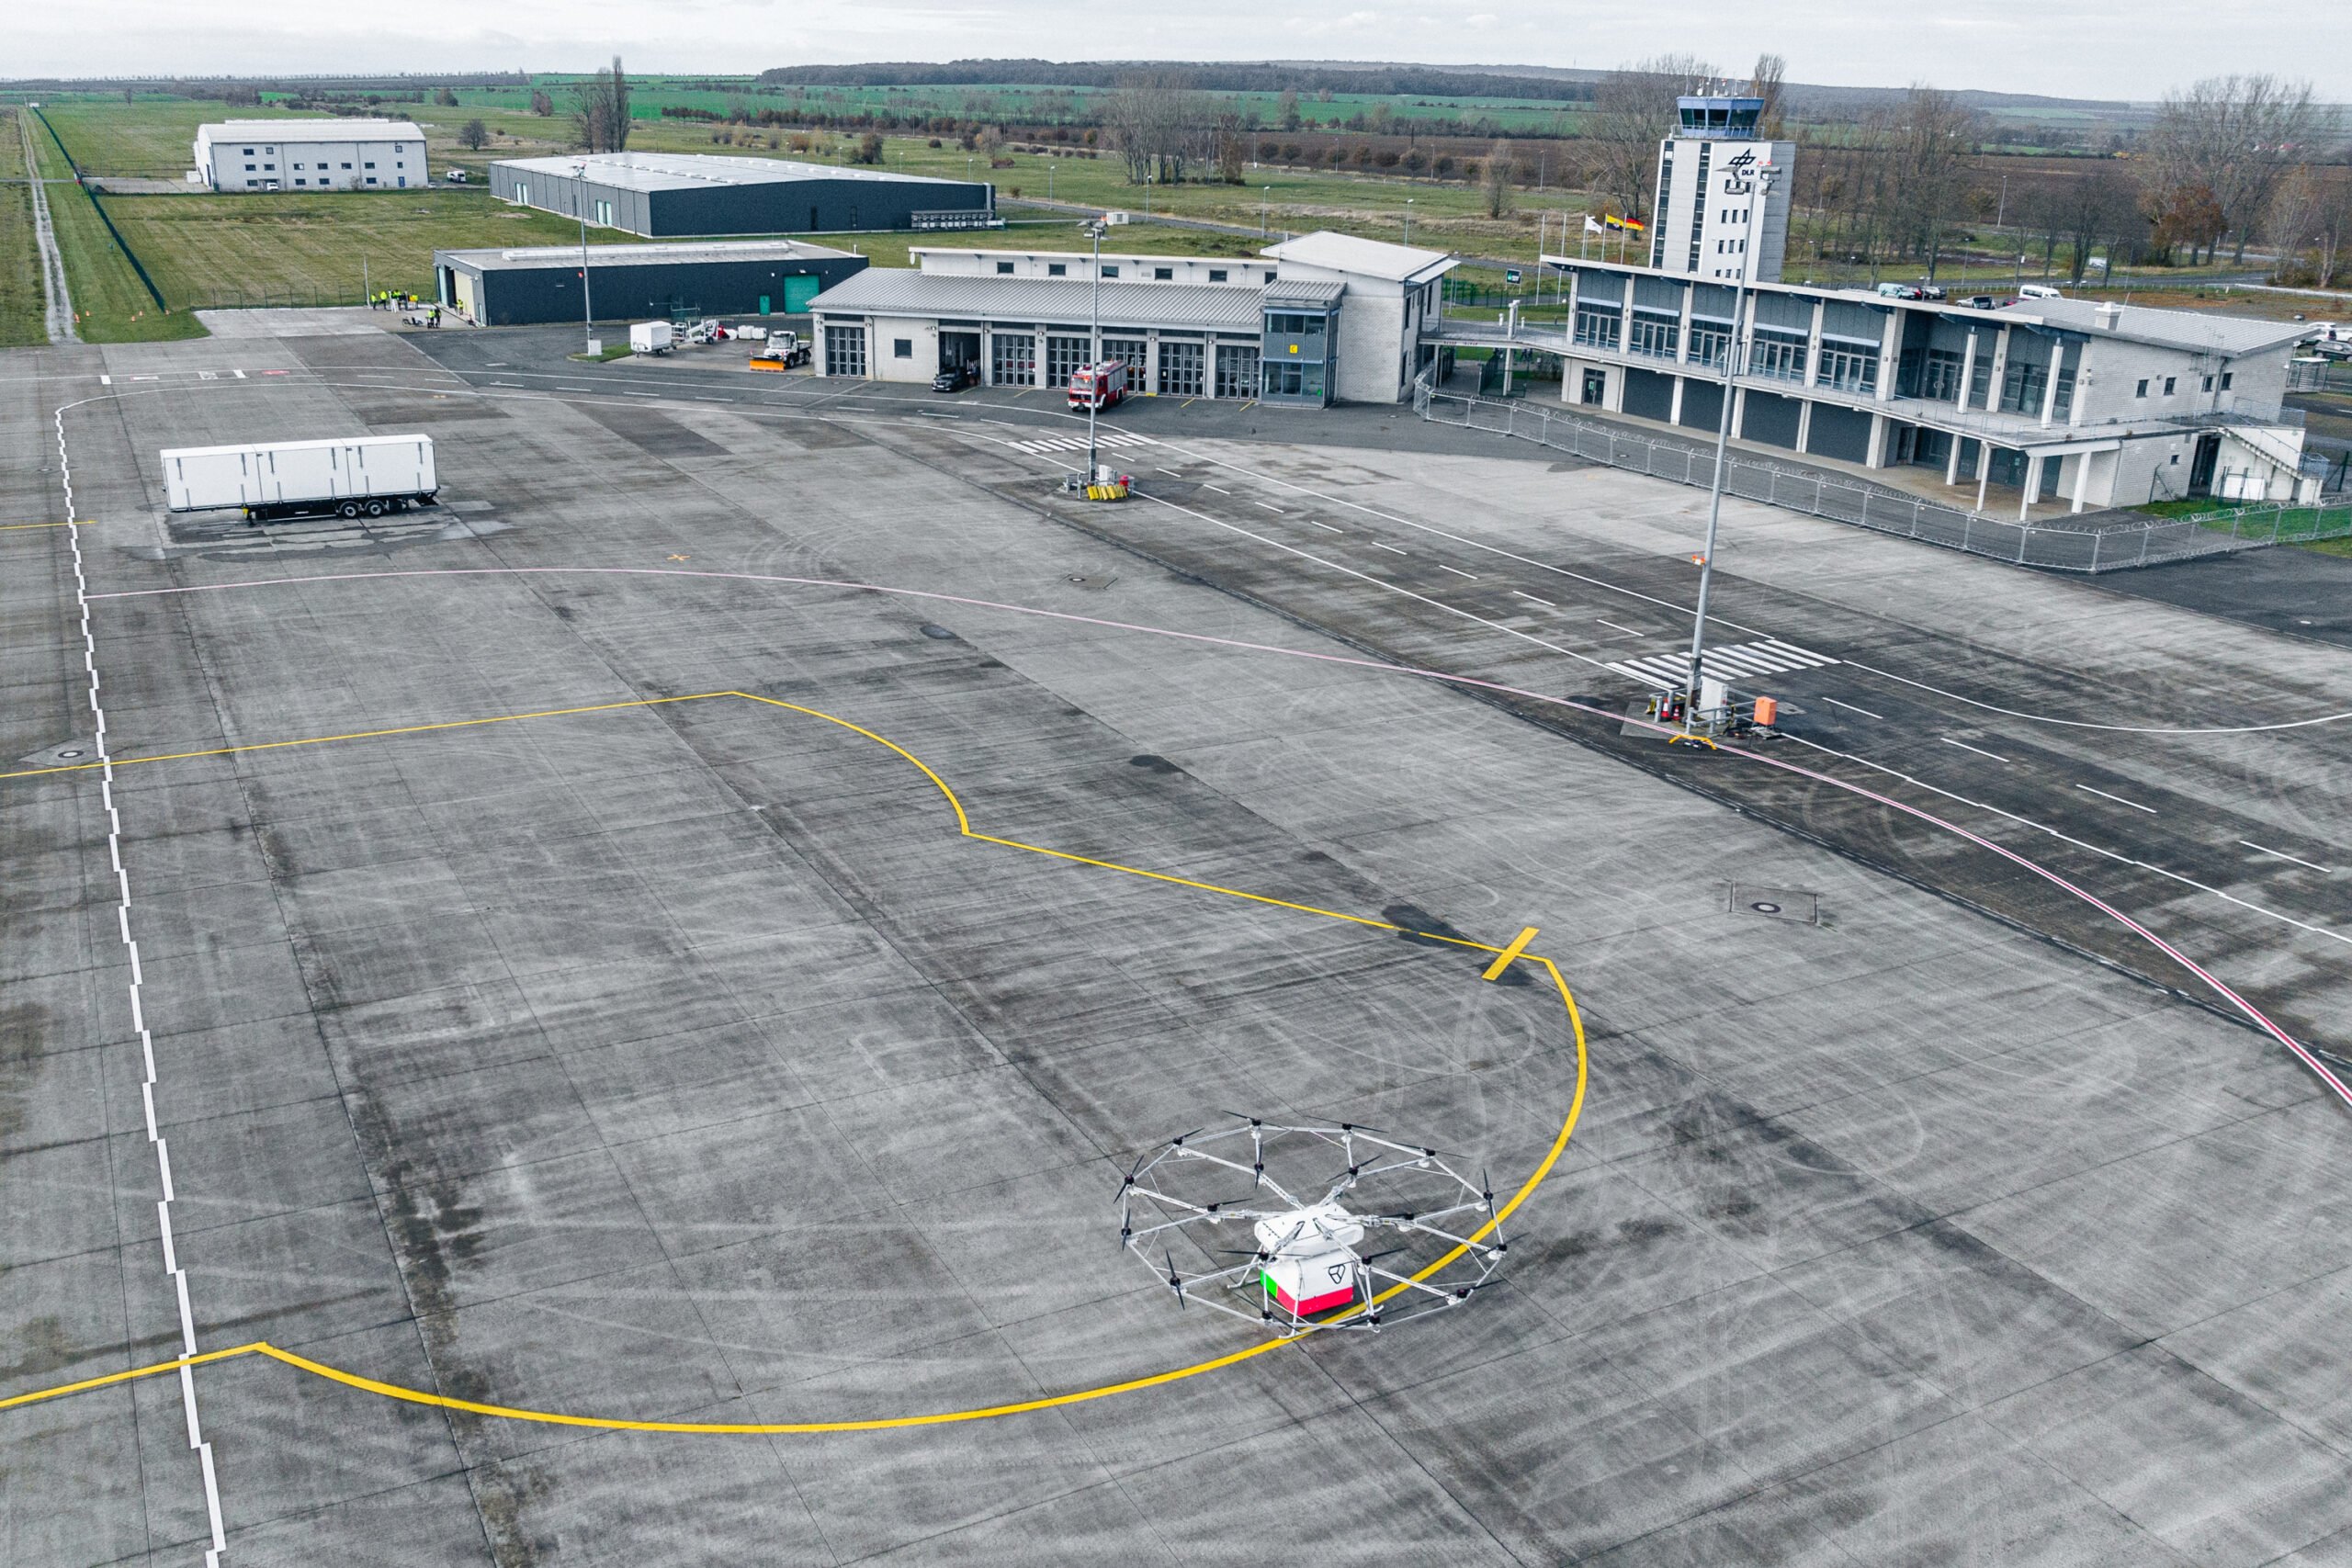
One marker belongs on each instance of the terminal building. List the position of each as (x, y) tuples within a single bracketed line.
[(542, 283), (310, 154), (2036, 401), (668, 195), (1312, 320)]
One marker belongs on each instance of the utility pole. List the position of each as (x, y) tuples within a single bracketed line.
[(1694, 684), (587, 306), (1408, 219)]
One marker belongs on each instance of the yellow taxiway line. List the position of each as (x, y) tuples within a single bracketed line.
[(1504, 956)]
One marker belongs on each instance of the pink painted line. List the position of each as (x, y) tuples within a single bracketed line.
[(2252, 1013)]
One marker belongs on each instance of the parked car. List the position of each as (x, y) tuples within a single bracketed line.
[(2037, 291), (1931, 291), (956, 377), (1978, 301), (1900, 291)]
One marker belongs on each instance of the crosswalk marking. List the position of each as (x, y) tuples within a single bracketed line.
[(1731, 663), (1043, 443)]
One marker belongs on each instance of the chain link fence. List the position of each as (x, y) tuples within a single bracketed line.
[(2109, 543)]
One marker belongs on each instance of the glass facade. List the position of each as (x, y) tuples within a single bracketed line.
[(1655, 334), (1598, 326), (845, 351), (1294, 351), (1063, 356), (1849, 367), (1013, 359), (1182, 370), (1237, 370)]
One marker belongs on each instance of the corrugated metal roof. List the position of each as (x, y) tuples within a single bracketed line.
[(1371, 258), (1303, 291), (656, 255), (1183, 307), (695, 171), (280, 130)]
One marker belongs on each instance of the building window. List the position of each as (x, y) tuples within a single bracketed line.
[(1005, 269), (1133, 350), (1779, 355), (346, 165), (2169, 382), (2023, 386), (2143, 391), (269, 168), (1012, 360), (1057, 269), (1708, 341), (1655, 333), (1162, 273), (1237, 370), (249, 168), (2225, 379), (2209, 379), (301, 182), (367, 165), (1111, 270), (844, 351), (1217, 274), (1597, 325), (249, 152), (1850, 367), (371, 179), (1269, 275), (2208, 386), (1064, 355), (902, 348)]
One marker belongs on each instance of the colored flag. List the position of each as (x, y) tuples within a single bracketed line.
[(1631, 225)]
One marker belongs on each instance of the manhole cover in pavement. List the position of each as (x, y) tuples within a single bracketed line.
[(65, 755), (1776, 903)]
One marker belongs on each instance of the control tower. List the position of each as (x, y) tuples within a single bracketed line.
[(1706, 221)]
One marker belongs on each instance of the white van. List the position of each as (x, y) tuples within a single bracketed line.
[(2037, 291)]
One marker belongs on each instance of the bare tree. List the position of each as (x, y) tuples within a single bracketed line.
[(1496, 179), (1633, 109), (1928, 139), (1158, 125), (1766, 84), (1232, 150), (2310, 216), (542, 105), (2235, 137), (473, 135), (600, 115), (2086, 211)]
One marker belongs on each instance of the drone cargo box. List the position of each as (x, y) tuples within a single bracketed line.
[(288, 474)]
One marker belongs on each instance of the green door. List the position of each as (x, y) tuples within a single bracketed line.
[(764, 304), (798, 292)]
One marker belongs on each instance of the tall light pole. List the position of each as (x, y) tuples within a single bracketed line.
[(1262, 200), (1095, 348), (1692, 686), (1408, 219), (587, 306)]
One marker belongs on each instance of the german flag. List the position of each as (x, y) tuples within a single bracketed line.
[(1630, 225)]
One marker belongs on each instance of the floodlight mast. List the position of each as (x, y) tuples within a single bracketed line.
[(587, 308), (1694, 683), (1095, 351)]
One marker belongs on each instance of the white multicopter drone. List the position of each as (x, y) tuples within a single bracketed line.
[(1305, 1269)]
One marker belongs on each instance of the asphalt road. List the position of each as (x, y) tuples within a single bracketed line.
[(561, 1024)]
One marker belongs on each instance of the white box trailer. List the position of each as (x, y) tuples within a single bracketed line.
[(650, 337), (352, 477)]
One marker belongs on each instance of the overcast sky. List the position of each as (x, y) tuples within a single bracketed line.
[(2103, 48)]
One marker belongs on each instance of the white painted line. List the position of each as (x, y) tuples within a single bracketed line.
[(2282, 854), (2117, 799), (212, 1502), (1390, 549), (1457, 572), (1966, 747), (1219, 489), (515, 384), (1325, 526), (1171, 473), (106, 380), (163, 1164), (238, 374), (187, 1381), (1267, 504), (1849, 708), (1533, 599), (1602, 619)]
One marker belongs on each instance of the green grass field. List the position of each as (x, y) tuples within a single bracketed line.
[(110, 305), (20, 284), (207, 250)]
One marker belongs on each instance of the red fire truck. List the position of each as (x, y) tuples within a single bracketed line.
[(1102, 386)]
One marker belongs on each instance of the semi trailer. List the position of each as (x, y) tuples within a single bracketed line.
[(355, 476)]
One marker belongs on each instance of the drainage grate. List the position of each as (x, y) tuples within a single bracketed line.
[(1776, 903)]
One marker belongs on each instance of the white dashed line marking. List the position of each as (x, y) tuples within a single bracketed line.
[(1533, 600), (1457, 572), (1219, 489), (1390, 549), (2116, 798), (1325, 526), (1849, 708), (1614, 627), (1979, 750), (2325, 870)]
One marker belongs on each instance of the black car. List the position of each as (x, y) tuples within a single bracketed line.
[(955, 378)]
